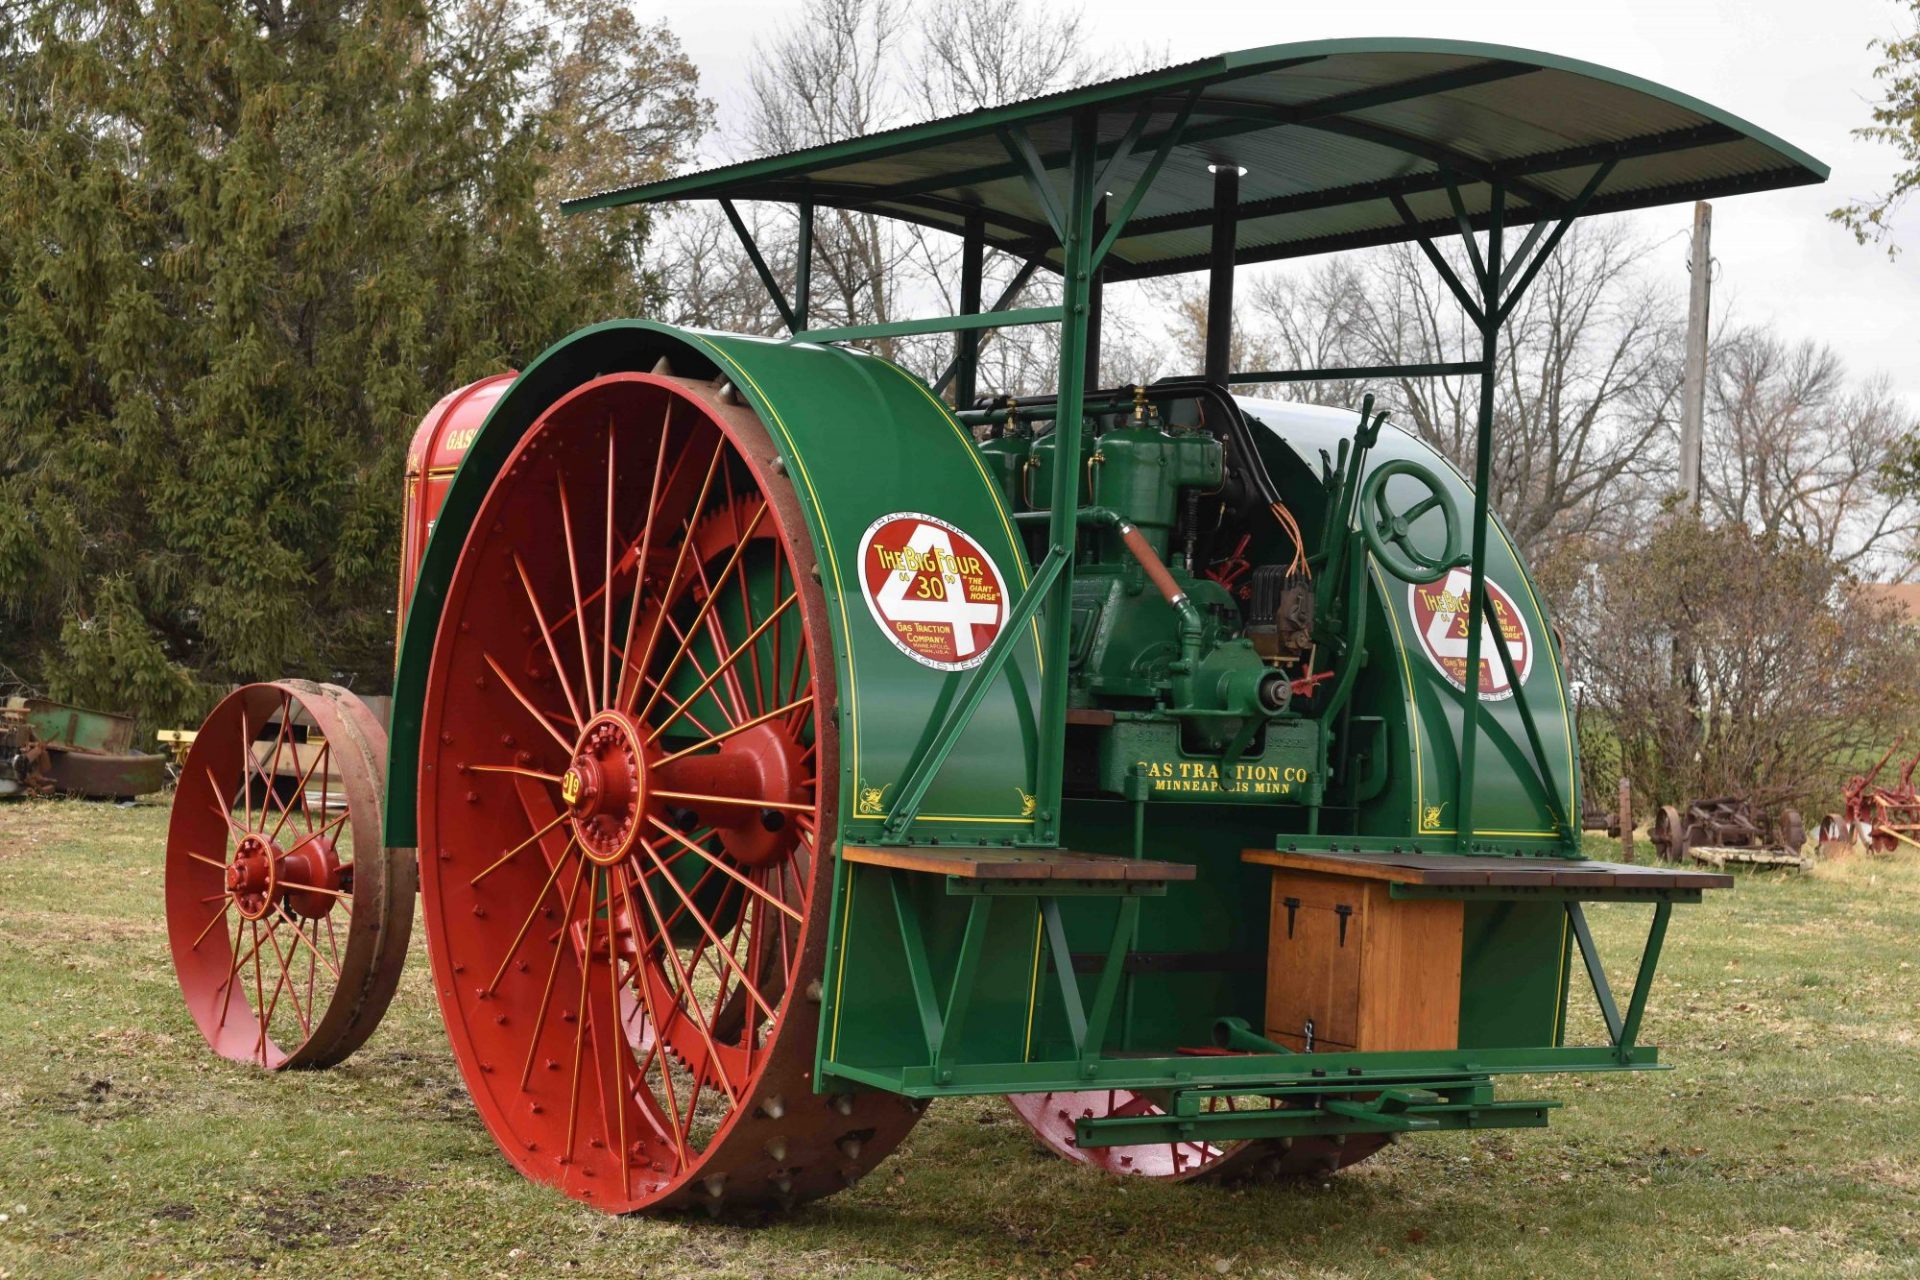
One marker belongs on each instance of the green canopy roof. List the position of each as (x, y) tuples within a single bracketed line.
[(1329, 134)]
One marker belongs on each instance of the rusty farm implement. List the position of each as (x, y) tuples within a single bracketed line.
[(785, 741), (1874, 816), (1729, 830)]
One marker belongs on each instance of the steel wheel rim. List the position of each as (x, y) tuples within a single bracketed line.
[(1051, 1117), (286, 917), (555, 775)]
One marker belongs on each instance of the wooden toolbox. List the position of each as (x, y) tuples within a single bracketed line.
[(1348, 967), (1351, 967)]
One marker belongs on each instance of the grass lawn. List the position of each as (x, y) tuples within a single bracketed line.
[(1786, 1142)]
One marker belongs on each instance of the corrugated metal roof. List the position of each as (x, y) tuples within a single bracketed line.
[(1328, 133)]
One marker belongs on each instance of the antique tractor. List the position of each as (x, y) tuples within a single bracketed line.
[(784, 746)]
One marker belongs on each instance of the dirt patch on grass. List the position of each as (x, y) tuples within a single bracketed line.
[(330, 1217)]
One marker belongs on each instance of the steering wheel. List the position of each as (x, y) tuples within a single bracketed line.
[(1389, 535)]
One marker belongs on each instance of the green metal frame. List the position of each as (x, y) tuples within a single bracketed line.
[(1499, 291), (942, 1016)]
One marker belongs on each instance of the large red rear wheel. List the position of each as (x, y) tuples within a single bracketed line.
[(1052, 1117), (627, 800), (287, 917)]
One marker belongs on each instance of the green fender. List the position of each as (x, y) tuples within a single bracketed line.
[(860, 439), (1403, 683)]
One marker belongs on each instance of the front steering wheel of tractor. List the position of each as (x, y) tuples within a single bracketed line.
[(1389, 536)]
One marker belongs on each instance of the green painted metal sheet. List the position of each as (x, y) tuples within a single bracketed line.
[(1327, 132), (1405, 684), (861, 440)]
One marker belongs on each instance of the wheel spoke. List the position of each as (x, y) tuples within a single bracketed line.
[(696, 721), (659, 1041), (259, 988), (222, 804), (616, 1037), (321, 834), (640, 559), (218, 916), (495, 864), (266, 1017), (723, 735), (271, 775), (573, 577), (331, 893), (303, 937), (535, 774), (526, 924), (326, 754), (546, 635), (706, 606), (716, 635), (746, 617), (727, 713), (726, 663), (239, 959), (720, 864), (313, 960), (301, 794), (580, 1018), (553, 970), (688, 994), (743, 802), (539, 717), (673, 581), (606, 608)]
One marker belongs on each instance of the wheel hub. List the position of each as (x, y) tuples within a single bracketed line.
[(253, 875), (752, 787), (605, 787), (305, 877)]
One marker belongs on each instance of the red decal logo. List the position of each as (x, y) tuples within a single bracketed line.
[(1439, 610), (935, 591)]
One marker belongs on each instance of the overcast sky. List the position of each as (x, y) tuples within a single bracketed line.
[(1800, 68)]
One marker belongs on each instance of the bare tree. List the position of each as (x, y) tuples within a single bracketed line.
[(974, 56), (844, 68), (832, 74), (709, 282), (1794, 449), (1587, 377)]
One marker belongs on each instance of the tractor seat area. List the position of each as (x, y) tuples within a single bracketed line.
[(979, 862)]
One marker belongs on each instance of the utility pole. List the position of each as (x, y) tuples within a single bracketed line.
[(1693, 393)]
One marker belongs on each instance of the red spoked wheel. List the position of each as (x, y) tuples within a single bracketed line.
[(287, 917), (1052, 1117), (621, 809)]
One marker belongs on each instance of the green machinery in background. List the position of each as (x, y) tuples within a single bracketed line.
[(788, 741)]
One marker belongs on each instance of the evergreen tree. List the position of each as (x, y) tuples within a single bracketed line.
[(243, 247)]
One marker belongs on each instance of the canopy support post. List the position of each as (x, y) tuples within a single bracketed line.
[(803, 266), (1008, 296), (1499, 293), (1096, 295), (1226, 202), (966, 357), (1489, 321), (760, 268), (1076, 244)]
